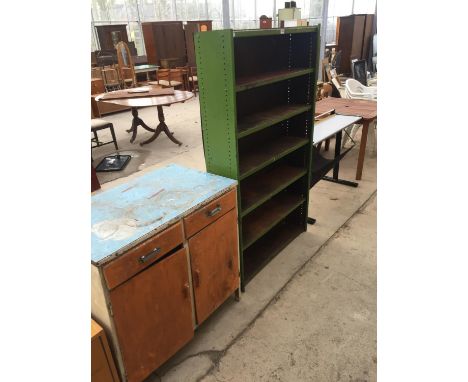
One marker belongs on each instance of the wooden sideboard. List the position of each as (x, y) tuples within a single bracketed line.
[(164, 257)]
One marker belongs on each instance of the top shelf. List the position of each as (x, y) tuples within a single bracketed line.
[(273, 31), (250, 82)]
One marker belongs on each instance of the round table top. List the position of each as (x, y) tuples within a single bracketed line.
[(178, 96)]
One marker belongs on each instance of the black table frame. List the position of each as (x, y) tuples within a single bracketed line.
[(328, 165)]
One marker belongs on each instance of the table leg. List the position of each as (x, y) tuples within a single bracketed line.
[(362, 149), (162, 127), (137, 121)]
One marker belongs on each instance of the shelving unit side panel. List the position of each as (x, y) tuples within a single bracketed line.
[(314, 58), (215, 66)]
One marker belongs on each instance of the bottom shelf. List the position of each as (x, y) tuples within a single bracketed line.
[(265, 249)]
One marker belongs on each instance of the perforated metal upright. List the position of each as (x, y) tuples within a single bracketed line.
[(257, 103)]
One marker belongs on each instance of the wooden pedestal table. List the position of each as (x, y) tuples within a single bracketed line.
[(159, 102), (367, 110)]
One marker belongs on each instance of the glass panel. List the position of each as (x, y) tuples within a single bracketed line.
[(242, 13), (340, 7), (364, 6)]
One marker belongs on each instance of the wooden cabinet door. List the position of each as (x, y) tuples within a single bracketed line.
[(215, 267), (153, 315)]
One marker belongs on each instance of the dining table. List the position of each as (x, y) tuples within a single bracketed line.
[(159, 101)]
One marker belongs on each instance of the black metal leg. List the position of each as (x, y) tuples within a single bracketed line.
[(336, 167)]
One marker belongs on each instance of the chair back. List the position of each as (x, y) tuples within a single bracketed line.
[(124, 58)]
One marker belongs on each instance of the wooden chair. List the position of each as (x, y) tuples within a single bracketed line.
[(111, 78), (193, 80), (98, 124), (126, 68), (171, 78)]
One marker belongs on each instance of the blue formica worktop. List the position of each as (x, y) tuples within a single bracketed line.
[(125, 215)]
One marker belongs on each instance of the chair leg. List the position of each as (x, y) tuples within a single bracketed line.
[(111, 127), (327, 144)]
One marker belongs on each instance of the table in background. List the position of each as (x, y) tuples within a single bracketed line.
[(146, 69), (367, 110), (159, 102)]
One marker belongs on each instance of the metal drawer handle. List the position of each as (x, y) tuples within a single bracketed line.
[(149, 256), (214, 211)]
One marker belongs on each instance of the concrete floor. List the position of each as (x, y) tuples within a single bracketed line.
[(310, 314)]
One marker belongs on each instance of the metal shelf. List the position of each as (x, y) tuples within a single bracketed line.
[(261, 79), (255, 159), (265, 249), (264, 218), (258, 121), (259, 188)]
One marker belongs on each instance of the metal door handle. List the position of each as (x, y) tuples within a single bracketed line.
[(149, 256), (214, 211)]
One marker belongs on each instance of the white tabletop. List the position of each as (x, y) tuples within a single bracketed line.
[(331, 125)]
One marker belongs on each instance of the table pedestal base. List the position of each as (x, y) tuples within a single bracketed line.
[(162, 127)]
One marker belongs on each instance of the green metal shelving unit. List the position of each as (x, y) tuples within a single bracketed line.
[(257, 104)]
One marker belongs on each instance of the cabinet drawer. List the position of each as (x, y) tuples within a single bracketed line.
[(144, 254), (209, 213)]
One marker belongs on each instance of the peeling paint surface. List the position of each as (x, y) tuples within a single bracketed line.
[(126, 213)]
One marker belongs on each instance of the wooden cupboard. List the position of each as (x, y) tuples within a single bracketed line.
[(164, 39), (151, 295), (190, 29), (353, 34), (102, 363)]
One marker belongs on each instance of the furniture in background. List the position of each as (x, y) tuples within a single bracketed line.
[(110, 75), (173, 78), (190, 28), (159, 102), (104, 33), (172, 62), (374, 53), (97, 87), (154, 284), (102, 363), (353, 34), (164, 39), (146, 69), (126, 68), (265, 22), (193, 79), (98, 124), (257, 93), (355, 90), (359, 71), (365, 109)]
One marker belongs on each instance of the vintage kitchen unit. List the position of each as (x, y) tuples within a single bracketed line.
[(164, 256)]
